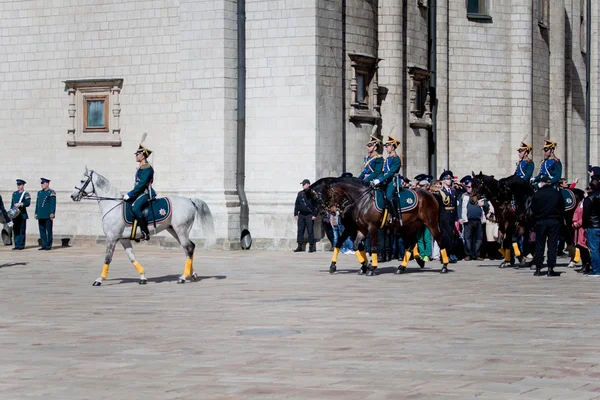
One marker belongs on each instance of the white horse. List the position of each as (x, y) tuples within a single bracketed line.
[(185, 210)]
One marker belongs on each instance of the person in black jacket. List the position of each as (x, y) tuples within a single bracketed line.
[(305, 212), (547, 210), (591, 223)]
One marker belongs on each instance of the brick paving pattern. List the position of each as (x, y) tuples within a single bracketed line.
[(275, 325)]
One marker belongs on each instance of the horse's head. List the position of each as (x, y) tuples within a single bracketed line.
[(86, 186), (339, 192), (484, 186)]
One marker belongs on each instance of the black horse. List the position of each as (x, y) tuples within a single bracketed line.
[(360, 217), (511, 197)]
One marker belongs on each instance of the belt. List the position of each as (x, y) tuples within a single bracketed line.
[(450, 208)]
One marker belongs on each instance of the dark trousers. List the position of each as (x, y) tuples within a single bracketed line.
[(45, 225), (448, 218), (306, 222), (473, 231), (547, 229), (19, 230)]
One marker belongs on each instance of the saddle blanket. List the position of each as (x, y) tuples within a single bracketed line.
[(408, 200), (160, 206), (569, 199)]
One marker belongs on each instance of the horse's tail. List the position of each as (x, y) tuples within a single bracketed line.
[(204, 216)]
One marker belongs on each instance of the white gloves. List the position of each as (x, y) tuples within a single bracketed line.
[(376, 182), (10, 224), (126, 197), (18, 205)]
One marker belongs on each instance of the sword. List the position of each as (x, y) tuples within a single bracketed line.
[(151, 206)]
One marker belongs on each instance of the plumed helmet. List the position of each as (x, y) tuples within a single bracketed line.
[(392, 141), (525, 147), (549, 144)]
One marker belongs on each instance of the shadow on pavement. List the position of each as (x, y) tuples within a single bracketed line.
[(165, 278), (12, 264)]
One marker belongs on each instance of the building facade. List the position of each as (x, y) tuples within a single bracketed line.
[(242, 100)]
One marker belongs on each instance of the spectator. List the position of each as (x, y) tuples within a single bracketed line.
[(348, 246), (547, 211), (305, 212), (580, 241), (328, 228), (591, 223), (472, 218)]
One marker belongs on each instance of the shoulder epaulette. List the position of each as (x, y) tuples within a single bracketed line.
[(556, 159), (377, 156), (146, 165), (52, 192)]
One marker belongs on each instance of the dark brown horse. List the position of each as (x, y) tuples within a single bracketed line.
[(360, 217), (510, 197)]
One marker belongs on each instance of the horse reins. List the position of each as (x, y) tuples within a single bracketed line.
[(84, 196)]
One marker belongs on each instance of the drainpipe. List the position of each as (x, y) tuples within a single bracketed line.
[(344, 122), (588, 83), (245, 238), (432, 22)]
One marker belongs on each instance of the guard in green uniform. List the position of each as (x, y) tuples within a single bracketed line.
[(373, 162), (21, 200), (142, 193), (551, 166), (525, 165), (45, 208), (391, 167)]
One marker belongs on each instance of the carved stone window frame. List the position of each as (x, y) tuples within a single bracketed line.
[(420, 114), (80, 91), (367, 110)]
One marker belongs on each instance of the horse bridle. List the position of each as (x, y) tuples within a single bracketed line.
[(82, 193)]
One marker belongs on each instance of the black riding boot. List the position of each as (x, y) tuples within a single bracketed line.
[(396, 205), (538, 271), (393, 211), (312, 248), (143, 224), (300, 248)]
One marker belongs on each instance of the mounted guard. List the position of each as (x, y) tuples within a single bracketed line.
[(551, 166), (390, 180), (373, 162), (142, 193), (525, 165)]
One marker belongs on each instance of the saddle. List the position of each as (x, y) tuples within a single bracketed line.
[(158, 210)]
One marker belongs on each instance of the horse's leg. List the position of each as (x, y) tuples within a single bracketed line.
[(182, 237), (131, 255), (373, 232), (110, 249), (507, 246), (432, 225), (361, 254)]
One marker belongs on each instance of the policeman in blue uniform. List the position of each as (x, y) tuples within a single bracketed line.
[(449, 215), (551, 166), (525, 165), (142, 193), (20, 199), (373, 162), (391, 167), (45, 208)]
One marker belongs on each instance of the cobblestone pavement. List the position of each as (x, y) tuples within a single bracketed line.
[(277, 325)]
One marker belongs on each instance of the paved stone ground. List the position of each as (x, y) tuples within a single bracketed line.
[(276, 325)]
